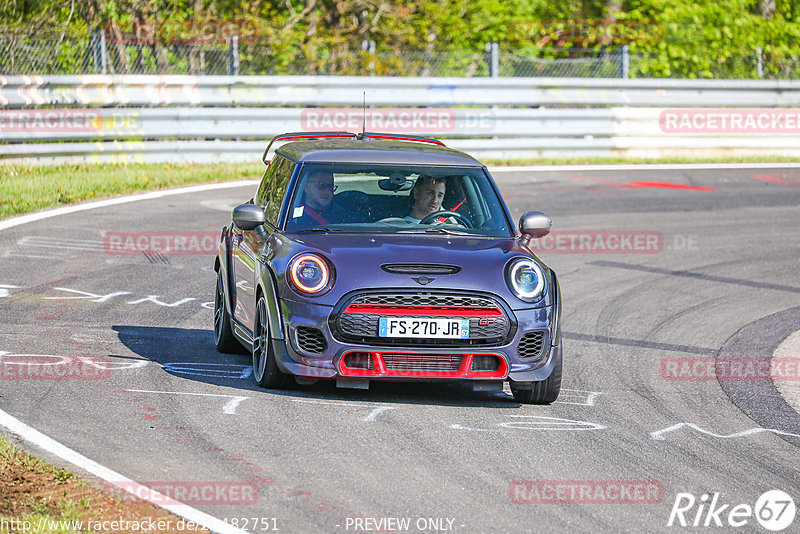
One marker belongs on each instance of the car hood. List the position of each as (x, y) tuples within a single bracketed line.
[(358, 258)]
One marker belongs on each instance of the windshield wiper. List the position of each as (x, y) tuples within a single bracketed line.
[(319, 229), (434, 230)]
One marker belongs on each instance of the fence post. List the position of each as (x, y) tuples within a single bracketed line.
[(233, 56), (369, 47), (492, 59), (99, 55), (759, 62), (624, 61), (103, 51)]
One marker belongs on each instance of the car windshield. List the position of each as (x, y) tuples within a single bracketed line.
[(396, 199)]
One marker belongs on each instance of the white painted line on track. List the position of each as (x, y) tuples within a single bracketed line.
[(376, 412), (659, 434), (4, 290), (229, 408), (587, 400), (332, 403), (369, 418), (536, 422), (31, 435), (66, 210)]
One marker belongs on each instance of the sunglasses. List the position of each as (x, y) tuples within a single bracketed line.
[(322, 186)]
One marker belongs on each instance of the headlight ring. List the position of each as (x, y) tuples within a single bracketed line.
[(310, 274), (525, 278)]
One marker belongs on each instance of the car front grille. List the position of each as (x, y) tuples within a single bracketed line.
[(422, 362), (359, 317), (425, 299), (530, 346)]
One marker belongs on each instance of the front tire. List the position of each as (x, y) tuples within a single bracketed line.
[(543, 392), (223, 334), (265, 368)]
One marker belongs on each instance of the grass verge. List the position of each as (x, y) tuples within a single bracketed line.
[(27, 189), (38, 498)]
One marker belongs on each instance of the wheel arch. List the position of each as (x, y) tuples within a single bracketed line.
[(268, 287)]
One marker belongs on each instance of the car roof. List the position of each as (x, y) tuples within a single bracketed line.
[(375, 151)]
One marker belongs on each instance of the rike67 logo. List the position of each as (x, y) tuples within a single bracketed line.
[(774, 510)]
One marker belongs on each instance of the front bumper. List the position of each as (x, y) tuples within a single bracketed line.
[(331, 363)]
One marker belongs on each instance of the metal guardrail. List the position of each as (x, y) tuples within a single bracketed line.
[(266, 91), (496, 149), (201, 119)]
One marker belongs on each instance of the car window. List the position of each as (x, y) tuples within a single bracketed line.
[(272, 190), (382, 199)]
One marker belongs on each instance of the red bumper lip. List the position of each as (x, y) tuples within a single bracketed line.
[(379, 369)]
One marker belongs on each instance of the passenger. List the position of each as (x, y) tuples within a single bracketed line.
[(426, 197)]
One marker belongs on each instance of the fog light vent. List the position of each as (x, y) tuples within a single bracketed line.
[(358, 360), (485, 363), (530, 346), (311, 340)]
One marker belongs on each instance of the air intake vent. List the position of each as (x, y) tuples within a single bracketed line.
[(420, 268), (422, 362), (487, 362), (530, 346), (358, 360), (311, 340)]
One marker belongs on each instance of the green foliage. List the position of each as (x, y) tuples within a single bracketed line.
[(667, 38)]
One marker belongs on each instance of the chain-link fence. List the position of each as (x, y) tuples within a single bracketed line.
[(98, 53)]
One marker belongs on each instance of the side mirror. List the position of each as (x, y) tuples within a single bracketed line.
[(248, 216), (535, 224)]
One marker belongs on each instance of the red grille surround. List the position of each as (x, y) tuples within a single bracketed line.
[(401, 364), (444, 311)]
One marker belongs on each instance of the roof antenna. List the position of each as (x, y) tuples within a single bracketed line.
[(364, 117)]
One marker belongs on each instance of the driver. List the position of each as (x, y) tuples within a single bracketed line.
[(426, 197)]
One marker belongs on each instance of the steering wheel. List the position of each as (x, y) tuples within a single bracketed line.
[(460, 218)]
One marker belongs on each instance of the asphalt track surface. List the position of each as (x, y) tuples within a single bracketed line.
[(722, 281)]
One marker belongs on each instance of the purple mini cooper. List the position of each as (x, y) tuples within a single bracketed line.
[(384, 257)]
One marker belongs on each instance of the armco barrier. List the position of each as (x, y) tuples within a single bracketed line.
[(348, 91), (216, 118)]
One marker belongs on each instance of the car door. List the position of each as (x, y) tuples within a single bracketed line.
[(247, 245)]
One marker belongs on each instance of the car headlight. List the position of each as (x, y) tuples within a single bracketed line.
[(310, 274), (525, 278)]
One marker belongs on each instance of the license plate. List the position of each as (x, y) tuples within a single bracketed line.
[(438, 328)]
